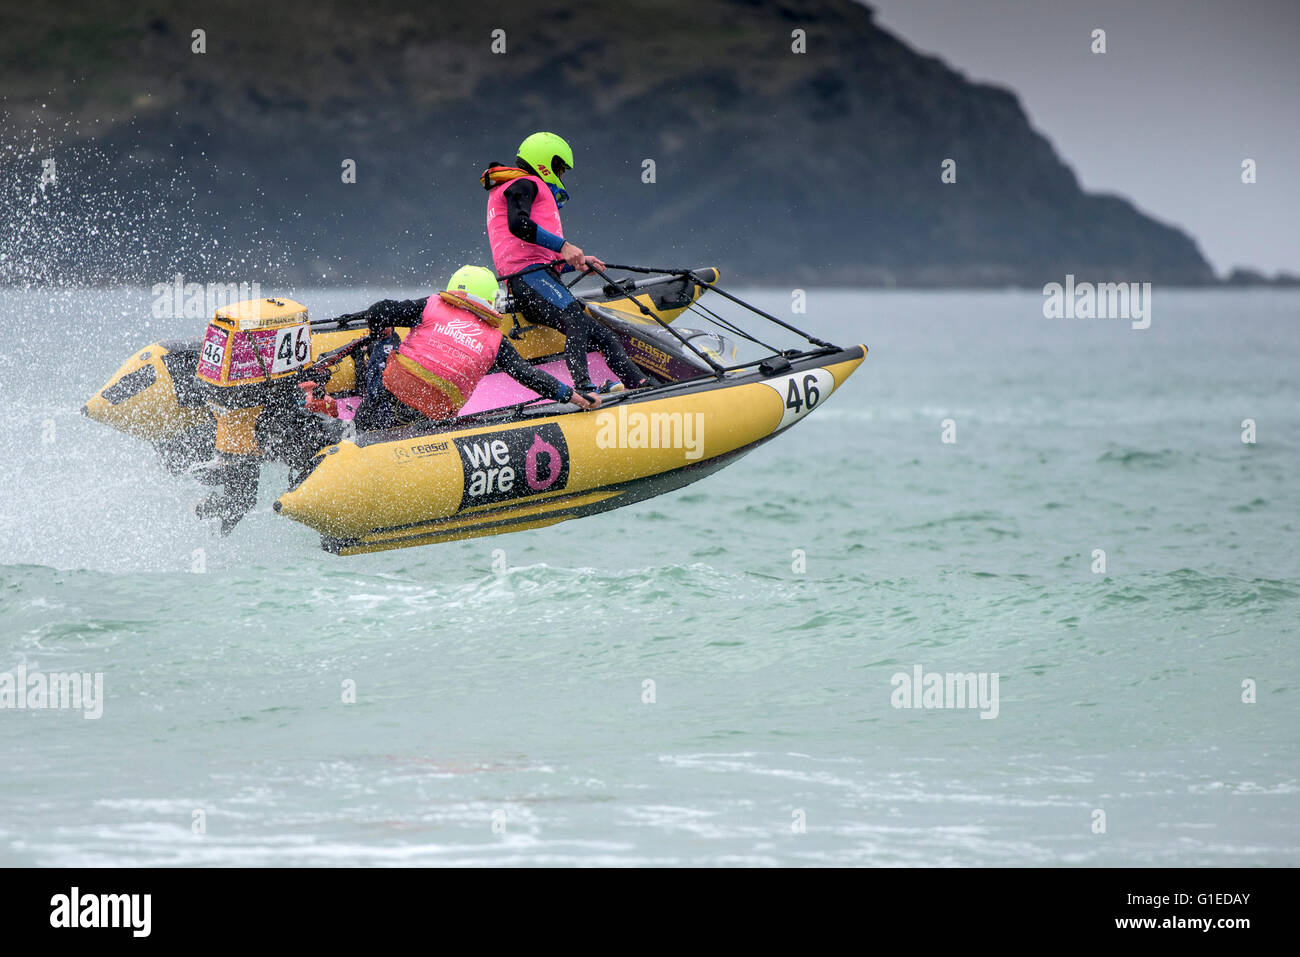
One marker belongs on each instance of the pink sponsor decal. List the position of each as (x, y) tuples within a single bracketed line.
[(539, 448), (243, 360), (212, 353)]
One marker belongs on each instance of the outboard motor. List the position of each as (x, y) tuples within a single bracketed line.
[(251, 357)]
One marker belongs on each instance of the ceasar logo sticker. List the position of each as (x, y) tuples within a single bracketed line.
[(404, 454), (513, 464), (656, 359)]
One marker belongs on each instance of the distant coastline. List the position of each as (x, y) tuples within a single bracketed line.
[(852, 161)]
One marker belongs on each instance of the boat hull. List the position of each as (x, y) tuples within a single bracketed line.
[(438, 483)]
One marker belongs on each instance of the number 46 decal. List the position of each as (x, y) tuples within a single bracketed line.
[(292, 348), (801, 393)]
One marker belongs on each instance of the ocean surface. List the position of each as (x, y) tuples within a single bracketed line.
[(502, 713)]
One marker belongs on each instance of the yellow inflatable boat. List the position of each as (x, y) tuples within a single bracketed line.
[(510, 462)]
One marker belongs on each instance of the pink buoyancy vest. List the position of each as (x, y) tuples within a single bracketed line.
[(453, 344), (509, 252)]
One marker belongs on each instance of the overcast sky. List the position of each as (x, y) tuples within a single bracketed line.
[(1186, 90)]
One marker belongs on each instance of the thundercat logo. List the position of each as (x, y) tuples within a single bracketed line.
[(512, 464), (464, 331)]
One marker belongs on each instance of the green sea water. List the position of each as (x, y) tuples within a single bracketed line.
[(706, 678)]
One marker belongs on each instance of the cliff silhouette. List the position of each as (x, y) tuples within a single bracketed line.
[(820, 167)]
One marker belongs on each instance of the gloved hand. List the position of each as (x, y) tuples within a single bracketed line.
[(313, 403), (318, 375)]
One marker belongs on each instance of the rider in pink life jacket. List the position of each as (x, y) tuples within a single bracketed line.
[(454, 342), (524, 229)]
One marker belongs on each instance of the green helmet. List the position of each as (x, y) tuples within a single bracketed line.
[(477, 282), (549, 155)]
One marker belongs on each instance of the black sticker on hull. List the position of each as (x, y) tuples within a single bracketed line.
[(130, 385), (512, 464)]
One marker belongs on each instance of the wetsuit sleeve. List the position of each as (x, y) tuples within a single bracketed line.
[(549, 240), (519, 205), (395, 312), (523, 372)]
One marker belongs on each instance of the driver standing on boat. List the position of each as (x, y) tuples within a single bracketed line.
[(453, 343), (523, 225)]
